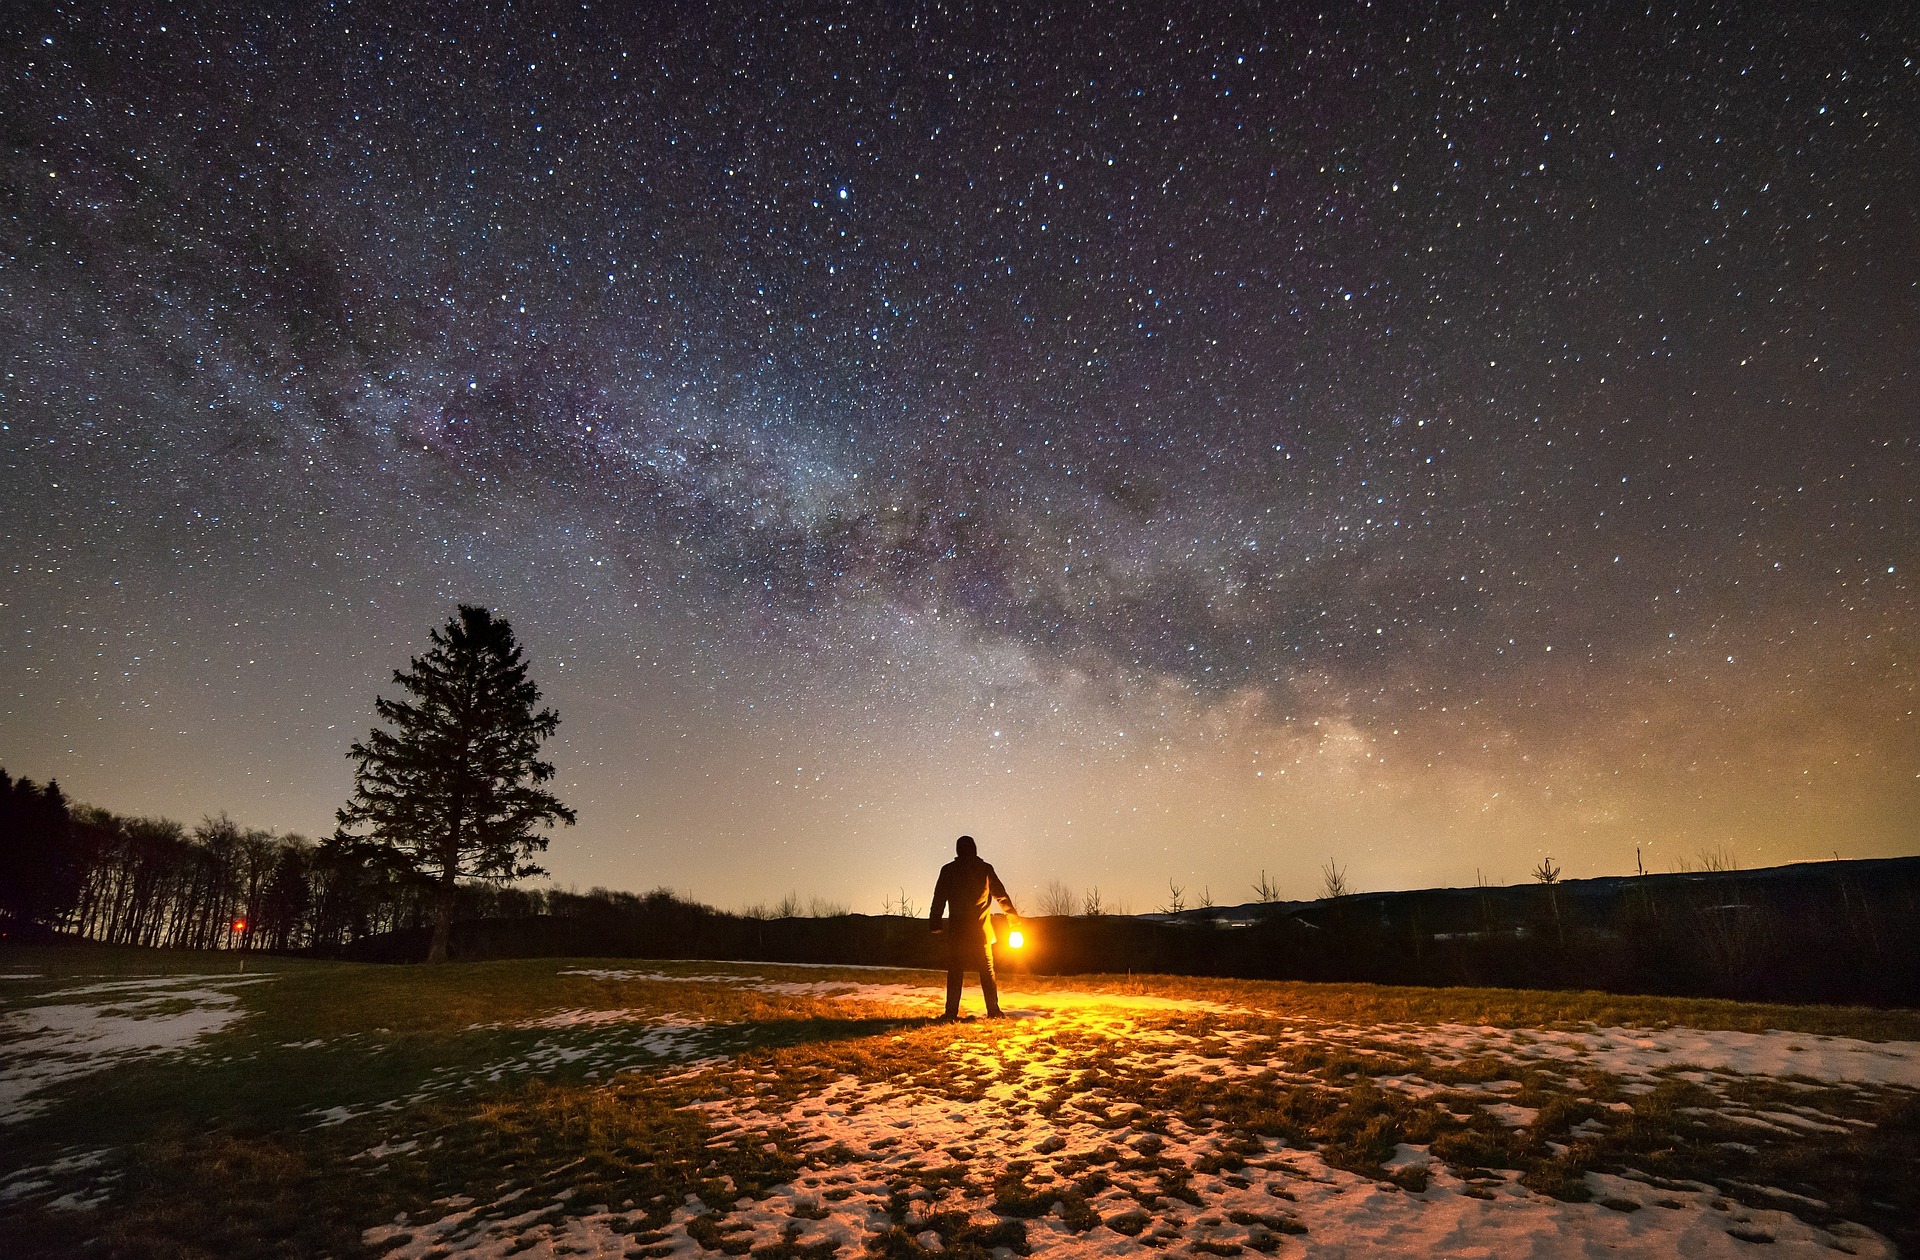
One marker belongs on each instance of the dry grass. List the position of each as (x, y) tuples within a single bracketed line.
[(219, 1153)]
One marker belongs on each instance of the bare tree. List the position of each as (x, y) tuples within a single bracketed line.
[(1091, 906), (1266, 891), (1055, 899), (1719, 859), (1549, 874), (1176, 901), (1486, 903), (1206, 897), (1333, 881)]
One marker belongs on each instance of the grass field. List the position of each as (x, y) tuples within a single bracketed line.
[(170, 1104)]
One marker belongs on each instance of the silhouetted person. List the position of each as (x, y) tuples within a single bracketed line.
[(970, 887)]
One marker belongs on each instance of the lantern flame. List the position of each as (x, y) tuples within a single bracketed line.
[(1016, 938)]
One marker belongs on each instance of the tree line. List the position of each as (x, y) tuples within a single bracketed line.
[(83, 871), (88, 872), (446, 811)]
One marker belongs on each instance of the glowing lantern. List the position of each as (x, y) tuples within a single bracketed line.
[(1016, 938), (239, 925)]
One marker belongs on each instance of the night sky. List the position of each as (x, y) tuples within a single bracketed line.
[(1166, 444)]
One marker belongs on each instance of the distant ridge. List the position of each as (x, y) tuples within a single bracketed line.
[(1596, 888)]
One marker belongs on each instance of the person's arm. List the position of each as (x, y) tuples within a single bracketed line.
[(999, 890), (940, 898)]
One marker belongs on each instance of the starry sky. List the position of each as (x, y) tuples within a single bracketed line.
[(1171, 443)]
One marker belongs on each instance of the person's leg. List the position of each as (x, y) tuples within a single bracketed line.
[(955, 978), (989, 985)]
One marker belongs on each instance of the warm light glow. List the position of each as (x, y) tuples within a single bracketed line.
[(239, 925), (1016, 938)]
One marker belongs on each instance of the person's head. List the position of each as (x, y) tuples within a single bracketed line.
[(965, 847)]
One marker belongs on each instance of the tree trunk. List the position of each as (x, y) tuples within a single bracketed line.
[(442, 919)]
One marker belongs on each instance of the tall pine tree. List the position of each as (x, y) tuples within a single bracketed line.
[(452, 791)]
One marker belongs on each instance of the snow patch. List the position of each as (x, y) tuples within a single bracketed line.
[(1645, 1052), (118, 1022)]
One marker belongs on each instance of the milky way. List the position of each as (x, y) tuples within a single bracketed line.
[(1169, 444)]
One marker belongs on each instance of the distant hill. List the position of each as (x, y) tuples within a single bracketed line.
[(1462, 909)]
